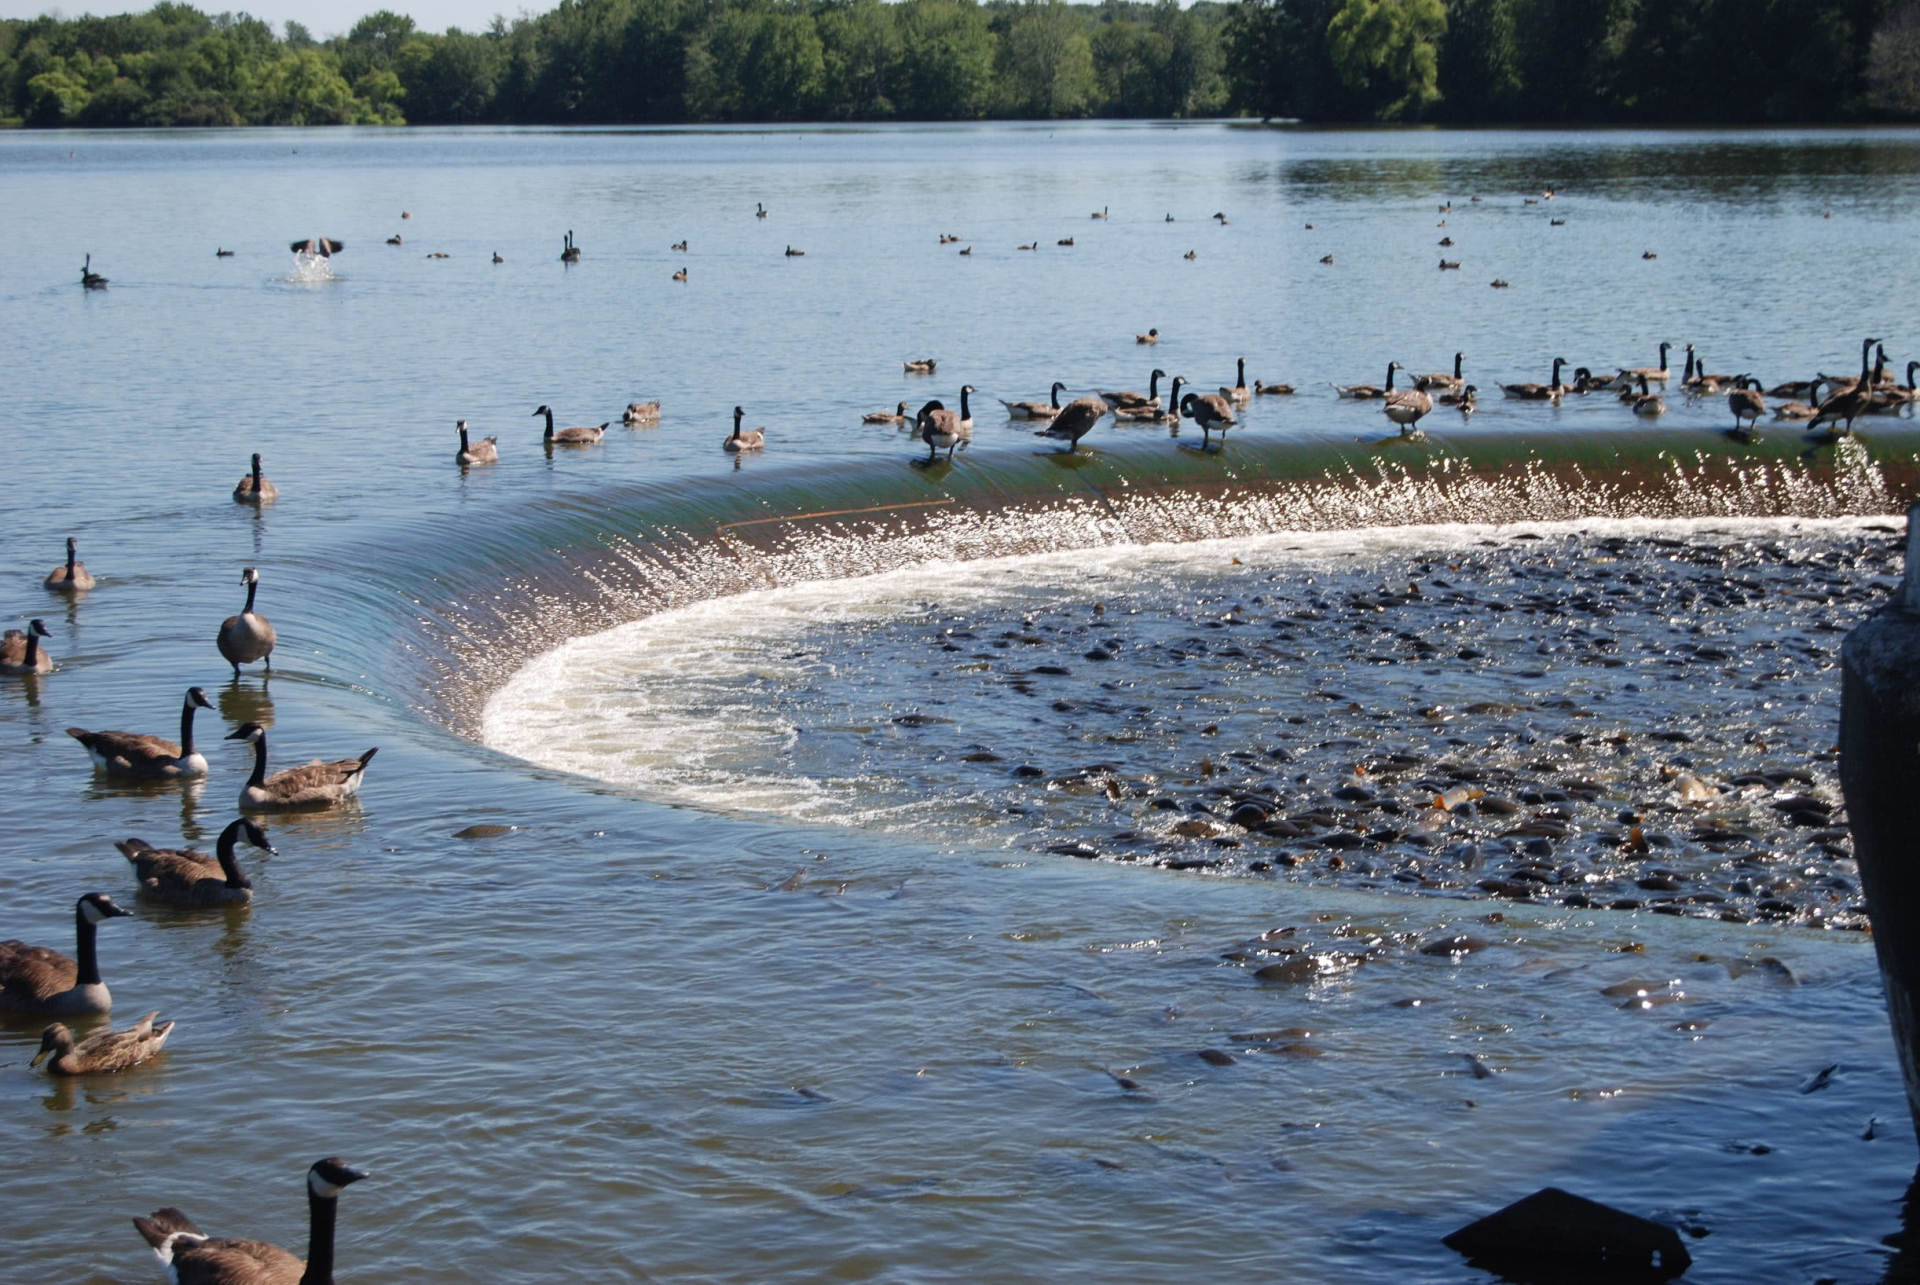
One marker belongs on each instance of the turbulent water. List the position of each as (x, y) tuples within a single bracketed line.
[(905, 874)]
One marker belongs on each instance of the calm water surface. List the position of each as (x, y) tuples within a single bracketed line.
[(633, 1038)]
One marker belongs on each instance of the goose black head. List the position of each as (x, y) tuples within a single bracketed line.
[(249, 575), (96, 906), (256, 836), (38, 627), (247, 732), (542, 410), (198, 696), (328, 1177)]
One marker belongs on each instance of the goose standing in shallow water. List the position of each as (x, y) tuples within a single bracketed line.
[(192, 1258), (34, 979), (70, 576), (1407, 408), (939, 427), (1076, 419), (487, 452), (579, 435), (254, 488), (102, 1052), (1210, 411), (1746, 403), (21, 653), (183, 877), (247, 637), (1034, 410), (314, 784), (141, 757), (752, 440), (1849, 401)]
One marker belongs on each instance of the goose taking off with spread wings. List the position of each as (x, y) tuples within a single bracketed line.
[(140, 757), (1075, 419), (247, 637), (1035, 410), (579, 435), (193, 1258), (310, 785), (184, 877), (34, 979), (102, 1052), (70, 576), (21, 652), (321, 246)]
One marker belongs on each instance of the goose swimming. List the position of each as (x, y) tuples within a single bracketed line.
[(184, 877), (487, 452), (70, 576), (34, 979), (138, 756), (253, 487), (1034, 410), (580, 435), (21, 652), (314, 784), (751, 440), (193, 1258)]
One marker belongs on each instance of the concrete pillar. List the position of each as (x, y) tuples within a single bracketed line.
[(1880, 774)]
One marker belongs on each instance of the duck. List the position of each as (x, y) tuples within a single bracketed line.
[(1746, 403), (1074, 421), (1151, 337), (21, 652), (89, 279), (70, 576), (1327, 259), (1551, 391), (320, 246), (1154, 413), (920, 366), (439, 254), (247, 637), (1648, 254), (579, 435), (253, 487), (1499, 283), (314, 784), (103, 1052), (1449, 265), (1647, 403), (34, 979), (1369, 392), (1034, 410), (680, 274), (1239, 394), (640, 413), (1446, 243), (140, 757), (183, 877), (937, 427), (1848, 401), (1407, 408), (487, 452), (748, 441), (1210, 411), (193, 1258), (569, 252), (898, 415), (1272, 390), (1131, 400), (1441, 381)]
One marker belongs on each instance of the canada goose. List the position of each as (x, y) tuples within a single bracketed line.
[(1440, 381), (1272, 390), (1132, 399), (1327, 259), (1369, 392), (759, 210), (487, 452), (750, 441), (1446, 242), (253, 488), (1034, 410), (1466, 401), (183, 877), (1074, 421), (680, 274), (246, 637), (1585, 381), (34, 979), (1647, 403), (1648, 254), (1191, 254), (937, 427), (678, 245), (1065, 240), (102, 1052), (966, 411), (1796, 410), (192, 1258), (569, 252), (1239, 394), (439, 254), (1792, 388), (795, 254), (406, 214), (1557, 223), (579, 435), (1498, 283), (1220, 217), (1100, 213), (1746, 402), (148, 758), (314, 784), (21, 653), (898, 415), (919, 366), (1851, 401), (1034, 245), (640, 413), (223, 254), (1151, 337), (1551, 391), (497, 258), (1407, 408), (1699, 381), (1154, 413), (1449, 265), (395, 239), (1660, 372), (90, 279), (320, 246), (967, 250), (1169, 217), (70, 576), (1210, 411)]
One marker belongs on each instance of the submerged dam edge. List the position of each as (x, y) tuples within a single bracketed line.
[(484, 601)]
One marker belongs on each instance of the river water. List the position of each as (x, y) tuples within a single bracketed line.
[(779, 965)]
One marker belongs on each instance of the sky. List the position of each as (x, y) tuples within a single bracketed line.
[(322, 17)]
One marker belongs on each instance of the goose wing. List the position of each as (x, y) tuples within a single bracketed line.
[(1076, 418), (234, 1262), (318, 782), (131, 753), (34, 973)]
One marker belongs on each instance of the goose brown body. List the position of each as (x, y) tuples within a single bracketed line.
[(311, 785), (1076, 419), (139, 756), (485, 451), (21, 652), (254, 488), (247, 637), (70, 576), (579, 435), (186, 878), (37, 979), (193, 1258)]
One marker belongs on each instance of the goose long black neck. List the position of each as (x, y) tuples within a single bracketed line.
[(463, 439), (33, 648), (1153, 386), (321, 1212), (1240, 376), (1391, 368), (1054, 393), (186, 726), (229, 864), (1558, 362), (1663, 355), (548, 412), (737, 413), (256, 475), (259, 777), (966, 412), (1457, 359), (253, 587), (72, 557), (1687, 374), (84, 953)]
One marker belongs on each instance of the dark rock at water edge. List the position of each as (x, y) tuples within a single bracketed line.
[(1556, 1236)]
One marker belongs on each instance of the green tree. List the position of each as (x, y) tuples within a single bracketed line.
[(1045, 64), (304, 87), (946, 60), (1389, 50), (1893, 67)]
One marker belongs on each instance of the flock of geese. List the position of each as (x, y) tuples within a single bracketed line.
[(38, 981)]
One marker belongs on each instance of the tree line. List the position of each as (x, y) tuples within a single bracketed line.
[(677, 61)]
